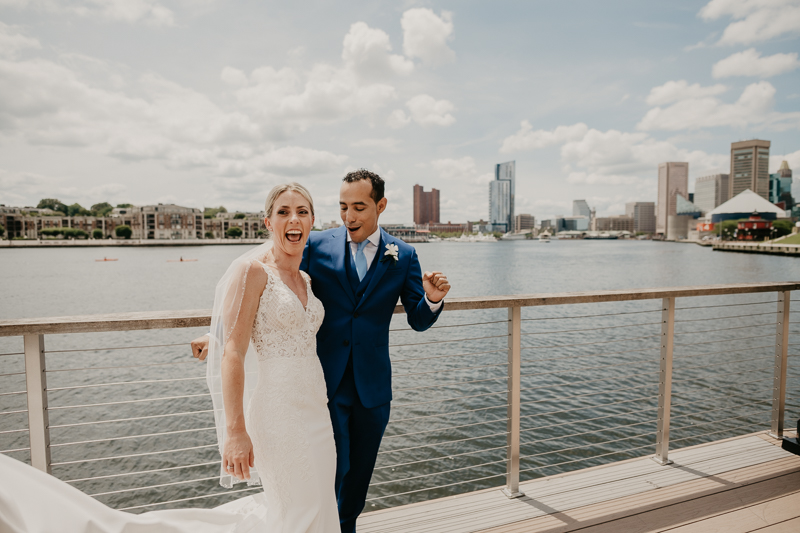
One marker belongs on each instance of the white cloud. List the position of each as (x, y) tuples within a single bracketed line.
[(425, 35), (462, 168), (427, 111), (750, 63), (754, 20), (793, 159), (387, 143), (398, 119), (673, 91), (527, 139), (150, 12), (12, 41), (367, 52), (464, 190), (754, 107)]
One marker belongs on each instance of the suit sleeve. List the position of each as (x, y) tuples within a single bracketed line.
[(418, 312)]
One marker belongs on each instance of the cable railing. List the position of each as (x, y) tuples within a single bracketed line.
[(502, 390)]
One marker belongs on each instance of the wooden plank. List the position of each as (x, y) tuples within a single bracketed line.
[(789, 526), (748, 517), (202, 317)]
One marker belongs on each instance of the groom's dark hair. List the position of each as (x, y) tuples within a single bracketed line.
[(364, 174)]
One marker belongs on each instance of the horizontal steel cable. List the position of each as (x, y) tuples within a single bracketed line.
[(186, 413), (773, 302), (15, 450), (13, 412), (699, 424), (450, 413), (723, 351), (12, 353), (398, 465), (127, 437), (436, 473), (14, 431), (720, 375), (587, 394), (587, 458), (435, 488), (601, 354), (142, 472), (672, 441), (444, 429), (590, 343), (226, 493), (384, 452), (454, 340), (591, 329), (95, 459), (125, 383), (135, 489), (505, 350), (450, 384), (575, 383), (450, 399), (572, 423), (762, 358), (551, 452), (61, 407), (49, 371), (591, 316), (113, 348), (599, 406), (601, 430), (566, 371), (12, 374), (439, 326), (724, 340), (707, 319), (13, 393), (770, 324), (727, 387), (448, 370)]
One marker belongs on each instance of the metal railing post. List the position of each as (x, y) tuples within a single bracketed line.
[(36, 385), (781, 363), (513, 425), (665, 381)]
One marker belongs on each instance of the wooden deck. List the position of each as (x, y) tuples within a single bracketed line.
[(734, 486)]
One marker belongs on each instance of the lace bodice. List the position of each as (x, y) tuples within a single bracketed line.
[(283, 327)]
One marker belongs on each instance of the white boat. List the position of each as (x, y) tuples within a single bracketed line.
[(513, 236), (544, 237), (479, 237)]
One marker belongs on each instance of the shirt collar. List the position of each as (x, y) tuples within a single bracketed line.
[(375, 238)]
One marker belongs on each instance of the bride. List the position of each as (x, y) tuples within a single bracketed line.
[(270, 407)]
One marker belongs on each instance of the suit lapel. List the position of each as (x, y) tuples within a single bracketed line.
[(380, 268), (338, 245)]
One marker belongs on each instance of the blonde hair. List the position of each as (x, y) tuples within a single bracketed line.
[(280, 189)]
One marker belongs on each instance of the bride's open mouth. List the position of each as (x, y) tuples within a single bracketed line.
[(294, 235)]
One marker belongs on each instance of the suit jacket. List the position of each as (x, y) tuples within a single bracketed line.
[(361, 326)]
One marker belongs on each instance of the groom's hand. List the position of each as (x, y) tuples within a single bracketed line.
[(200, 347), (435, 285)]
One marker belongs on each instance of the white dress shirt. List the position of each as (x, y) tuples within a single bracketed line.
[(371, 250)]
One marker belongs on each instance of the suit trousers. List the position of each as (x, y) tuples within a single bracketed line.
[(357, 432)]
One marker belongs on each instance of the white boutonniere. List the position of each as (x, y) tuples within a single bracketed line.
[(391, 252)]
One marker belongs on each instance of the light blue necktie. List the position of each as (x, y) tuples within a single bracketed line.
[(361, 260)]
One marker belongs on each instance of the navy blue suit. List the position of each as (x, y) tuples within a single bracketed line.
[(353, 348)]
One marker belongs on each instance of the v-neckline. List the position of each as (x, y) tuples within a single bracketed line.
[(296, 297)]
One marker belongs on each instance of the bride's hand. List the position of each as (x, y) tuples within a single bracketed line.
[(237, 457)]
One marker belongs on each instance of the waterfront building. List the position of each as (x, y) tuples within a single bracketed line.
[(780, 186), (406, 233), (251, 224), (750, 168), (524, 222), (580, 208), (743, 205), (426, 205), (711, 191), (615, 223), (330, 225), (643, 215), (166, 221), (448, 227), (673, 179), (753, 229), (501, 197)]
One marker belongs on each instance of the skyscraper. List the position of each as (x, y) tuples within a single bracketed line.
[(750, 168), (643, 215), (673, 178), (501, 196), (426, 205), (711, 191), (581, 209), (780, 186)]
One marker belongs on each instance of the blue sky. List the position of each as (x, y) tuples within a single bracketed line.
[(204, 102)]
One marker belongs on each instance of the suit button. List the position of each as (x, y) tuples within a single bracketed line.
[(345, 343), (355, 315)]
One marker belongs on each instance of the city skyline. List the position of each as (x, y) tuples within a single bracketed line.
[(213, 103)]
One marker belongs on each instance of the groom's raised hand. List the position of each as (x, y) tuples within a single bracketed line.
[(435, 285)]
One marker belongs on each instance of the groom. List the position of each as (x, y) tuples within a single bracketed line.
[(359, 272)]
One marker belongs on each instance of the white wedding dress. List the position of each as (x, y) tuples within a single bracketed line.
[(288, 423)]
